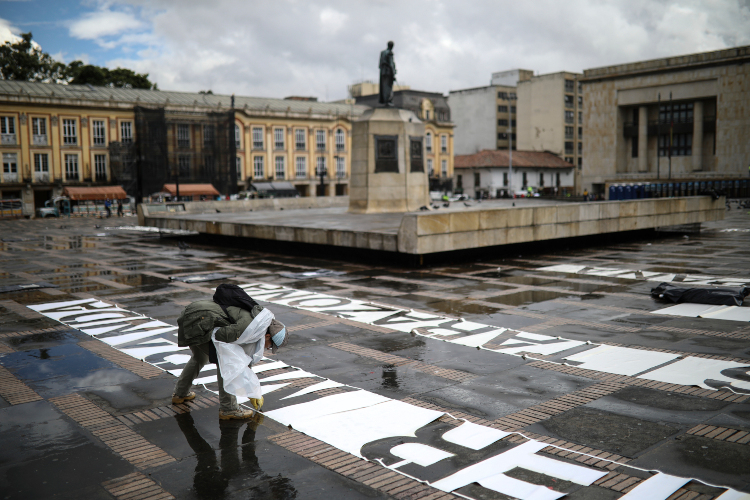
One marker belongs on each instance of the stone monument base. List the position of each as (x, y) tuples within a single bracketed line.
[(388, 166)]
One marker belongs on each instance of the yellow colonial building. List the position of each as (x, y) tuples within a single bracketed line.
[(57, 136)]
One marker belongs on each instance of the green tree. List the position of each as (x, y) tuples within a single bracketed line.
[(82, 74), (22, 60)]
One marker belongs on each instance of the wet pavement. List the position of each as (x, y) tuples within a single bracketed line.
[(88, 418)]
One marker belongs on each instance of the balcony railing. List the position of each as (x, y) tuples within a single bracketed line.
[(42, 177), (10, 176), (8, 139), (39, 140)]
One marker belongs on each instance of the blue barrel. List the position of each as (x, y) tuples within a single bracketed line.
[(620, 192), (690, 190), (628, 192), (702, 186), (639, 191), (612, 193)]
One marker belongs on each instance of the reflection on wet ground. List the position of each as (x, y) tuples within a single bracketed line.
[(218, 459)]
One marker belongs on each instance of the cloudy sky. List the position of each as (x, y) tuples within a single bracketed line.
[(277, 48)]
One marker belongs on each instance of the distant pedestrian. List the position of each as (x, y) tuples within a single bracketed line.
[(108, 207), (585, 195), (119, 208)]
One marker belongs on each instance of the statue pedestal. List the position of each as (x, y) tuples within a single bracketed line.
[(388, 165)]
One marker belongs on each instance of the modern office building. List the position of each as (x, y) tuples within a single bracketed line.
[(678, 119)]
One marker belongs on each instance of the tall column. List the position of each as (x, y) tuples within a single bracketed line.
[(697, 152), (643, 139)]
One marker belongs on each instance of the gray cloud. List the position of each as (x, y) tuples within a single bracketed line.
[(315, 47)]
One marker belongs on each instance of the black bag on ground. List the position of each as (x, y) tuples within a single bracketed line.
[(713, 296)]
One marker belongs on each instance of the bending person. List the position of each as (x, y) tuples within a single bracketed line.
[(227, 324)]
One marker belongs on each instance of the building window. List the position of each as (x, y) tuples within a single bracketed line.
[(208, 136), (320, 140), (570, 86), (512, 123), (580, 117), (300, 167), (568, 99), (682, 145), (340, 140), (340, 167), (460, 181), (258, 138), (541, 179), (100, 167), (183, 135), (70, 133), (99, 132), (443, 143), (428, 142), (502, 136), (238, 167), (444, 168), (569, 117), (569, 159), (502, 95), (209, 166), (126, 132), (39, 131), (41, 163), (580, 101), (8, 129), (237, 137), (183, 165), (569, 148), (512, 109), (278, 139), (426, 114), (580, 163), (569, 132), (477, 180), (10, 167), (320, 166), (502, 109), (71, 167), (430, 167), (502, 123), (505, 179), (280, 167), (676, 113), (557, 179), (634, 147), (259, 171), (525, 180), (580, 132), (300, 144), (580, 148)]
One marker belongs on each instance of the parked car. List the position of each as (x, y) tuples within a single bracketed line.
[(54, 207)]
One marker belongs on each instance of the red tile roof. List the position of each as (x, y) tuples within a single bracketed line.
[(499, 158)]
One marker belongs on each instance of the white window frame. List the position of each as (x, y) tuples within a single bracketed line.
[(70, 161), (443, 143), (340, 167), (430, 167), (98, 139), (100, 164), (41, 163), (183, 135), (39, 131), (428, 142), (340, 140), (279, 163), (237, 137), (278, 139), (320, 140), (8, 125), (444, 168), (300, 167), (259, 168), (70, 132), (126, 132), (258, 138), (300, 139), (10, 163)]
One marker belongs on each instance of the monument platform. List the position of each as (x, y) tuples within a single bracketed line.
[(459, 227)]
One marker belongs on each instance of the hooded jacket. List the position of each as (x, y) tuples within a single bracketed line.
[(197, 321)]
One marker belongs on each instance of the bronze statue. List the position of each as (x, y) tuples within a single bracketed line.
[(387, 76)]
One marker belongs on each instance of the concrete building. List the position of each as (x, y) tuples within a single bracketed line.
[(432, 109), (550, 115), (485, 117), (701, 101), (55, 136), (368, 87), (487, 172)]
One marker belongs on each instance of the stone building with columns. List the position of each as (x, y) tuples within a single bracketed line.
[(693, 108)]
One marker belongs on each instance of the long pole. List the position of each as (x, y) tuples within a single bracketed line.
[(658, 97), (671, 129), (510, 149)]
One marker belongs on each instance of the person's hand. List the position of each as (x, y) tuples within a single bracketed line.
[(257, 403)]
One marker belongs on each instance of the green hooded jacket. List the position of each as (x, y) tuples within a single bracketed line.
[(198, 320)]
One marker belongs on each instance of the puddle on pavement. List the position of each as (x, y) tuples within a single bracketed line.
[(478, 287), (527, 297)]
